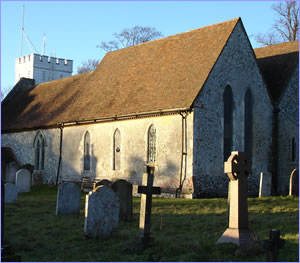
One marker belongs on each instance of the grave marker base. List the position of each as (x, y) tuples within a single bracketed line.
[(239, 237)]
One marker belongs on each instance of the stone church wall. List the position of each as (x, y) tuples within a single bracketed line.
[(133, 150), (237, 68), (288, 133), (22, 143)]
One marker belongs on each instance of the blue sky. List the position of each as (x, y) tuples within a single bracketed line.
[(73, 29)]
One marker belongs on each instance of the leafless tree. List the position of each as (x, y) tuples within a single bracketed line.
[(285, 28), (88, 66), (130, 37), (5, 90)]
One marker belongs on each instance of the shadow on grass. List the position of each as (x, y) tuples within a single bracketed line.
[(184, 230)]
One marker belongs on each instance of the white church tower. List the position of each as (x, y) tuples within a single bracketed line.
[(42, 68)]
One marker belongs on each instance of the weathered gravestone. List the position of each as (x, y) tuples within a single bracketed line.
[(102, 208), (37, 178), (147, 190), (68, 199), (238, 170), (294, 183), (105, 182), (11, 193), (23, 178), (124, 191), (10, 173), (265, 184)]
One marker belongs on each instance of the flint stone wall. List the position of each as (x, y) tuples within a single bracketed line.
[(237, 68), (288, 128), (22, 143)]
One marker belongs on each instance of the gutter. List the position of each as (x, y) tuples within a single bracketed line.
[(183, 153), (61, 127), (104, 119)]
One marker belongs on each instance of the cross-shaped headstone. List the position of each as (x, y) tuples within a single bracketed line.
[(147, 190), (238, 169)]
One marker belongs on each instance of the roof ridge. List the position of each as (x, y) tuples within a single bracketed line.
[(279, 44), (181, 33)]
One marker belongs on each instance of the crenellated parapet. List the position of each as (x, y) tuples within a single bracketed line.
[(42, 68)]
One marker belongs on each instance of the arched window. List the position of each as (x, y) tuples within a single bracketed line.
[(293, 150), (87, 152), (248, 128), (117, 150), (39, 156), (228, 119), (151, 144)]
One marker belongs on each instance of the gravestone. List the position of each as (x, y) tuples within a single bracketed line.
[(68, 199), (124, 191), (10, 173), (105, 182), (147, 190), (23, 178), (29, 167), (238, 170), (265, 184), (37, 178), (294, 183), (102, 208), (11, 193)]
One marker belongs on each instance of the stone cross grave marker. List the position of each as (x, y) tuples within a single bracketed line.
[(68, 199), (294, 183), (11, 193), (102, 208), (10, 173), (265, 184), (124, 191), (147, 190), (238, 170), (23, 179)]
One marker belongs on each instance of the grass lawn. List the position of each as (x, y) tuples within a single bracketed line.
[(184, 230)]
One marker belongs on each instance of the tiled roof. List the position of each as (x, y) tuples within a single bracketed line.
[(163, 74), (277, 64)]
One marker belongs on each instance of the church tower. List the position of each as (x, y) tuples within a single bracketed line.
[(42, 68)]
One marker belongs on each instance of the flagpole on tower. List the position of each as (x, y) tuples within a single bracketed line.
[(22, 32)]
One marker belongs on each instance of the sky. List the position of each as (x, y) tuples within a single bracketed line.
[(73, 29)]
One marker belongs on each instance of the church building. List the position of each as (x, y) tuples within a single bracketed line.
[(183, 102)]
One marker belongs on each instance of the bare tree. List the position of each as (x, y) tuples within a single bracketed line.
[(285, 28), (130, 37), (5, 90), (87, 66)]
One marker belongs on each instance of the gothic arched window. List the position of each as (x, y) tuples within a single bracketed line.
[(87, 152), (228, 119), (248, 129), (117, 150), (39, 148), (151, 144)]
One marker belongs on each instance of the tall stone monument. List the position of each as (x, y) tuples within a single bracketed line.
[(238, 170), (147, 190)]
